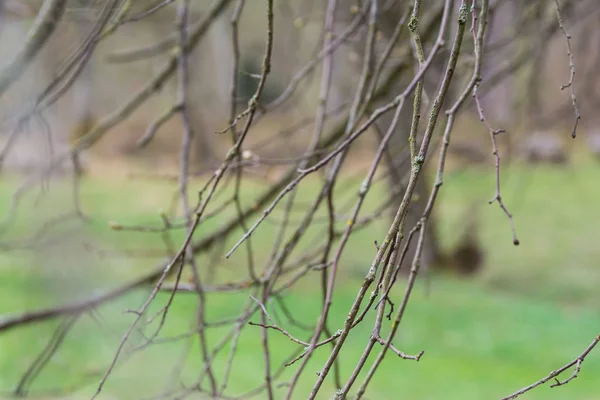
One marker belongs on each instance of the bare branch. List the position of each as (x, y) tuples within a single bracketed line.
[(554, 374)]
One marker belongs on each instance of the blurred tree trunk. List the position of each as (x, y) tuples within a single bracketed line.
[(208, 100), (497, 102), (397, 160), (399, 163)]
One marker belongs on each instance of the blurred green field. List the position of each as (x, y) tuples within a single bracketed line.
[(533, 308)]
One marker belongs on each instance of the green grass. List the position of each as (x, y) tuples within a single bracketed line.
[(533, 309)]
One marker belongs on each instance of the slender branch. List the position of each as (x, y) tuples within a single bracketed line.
[(554, 374)]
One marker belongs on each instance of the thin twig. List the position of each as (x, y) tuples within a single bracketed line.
[(571, 83)]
